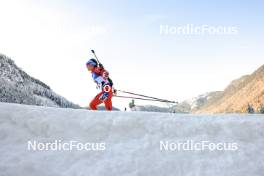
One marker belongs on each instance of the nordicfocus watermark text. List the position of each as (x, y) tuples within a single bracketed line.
[(191, 29), (59, 145), (190, 145)]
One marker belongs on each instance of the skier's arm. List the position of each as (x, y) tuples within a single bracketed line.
[(101, 72), (105, 75)]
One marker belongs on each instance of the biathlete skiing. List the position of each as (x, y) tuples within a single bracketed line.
[(104, 83)]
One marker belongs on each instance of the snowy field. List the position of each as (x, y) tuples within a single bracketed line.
[(128, 143)]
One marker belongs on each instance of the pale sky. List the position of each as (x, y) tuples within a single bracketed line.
[(51, 41)]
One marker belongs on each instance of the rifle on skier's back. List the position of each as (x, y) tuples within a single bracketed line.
[(101, 66)]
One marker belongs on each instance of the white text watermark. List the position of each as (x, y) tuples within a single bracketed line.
[(191, 29), (59, 145), (190, 145)]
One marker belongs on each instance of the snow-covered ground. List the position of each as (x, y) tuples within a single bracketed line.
[(132, 143)]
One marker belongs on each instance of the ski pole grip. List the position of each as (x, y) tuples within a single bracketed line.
[(92, 51)]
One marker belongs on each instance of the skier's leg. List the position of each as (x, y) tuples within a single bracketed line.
[(108, 102), (96, 101)]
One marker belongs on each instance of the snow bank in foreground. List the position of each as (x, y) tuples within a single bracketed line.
[(132, 143)]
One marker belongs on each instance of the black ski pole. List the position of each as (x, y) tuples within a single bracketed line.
[(146, 96), (147, 99)]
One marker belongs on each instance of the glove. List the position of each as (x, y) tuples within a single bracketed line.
[(105, 74), (104, 96), (115, 92)]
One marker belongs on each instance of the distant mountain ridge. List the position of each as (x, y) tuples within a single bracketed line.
[(239, 94), (16, 86), (237, 97)]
